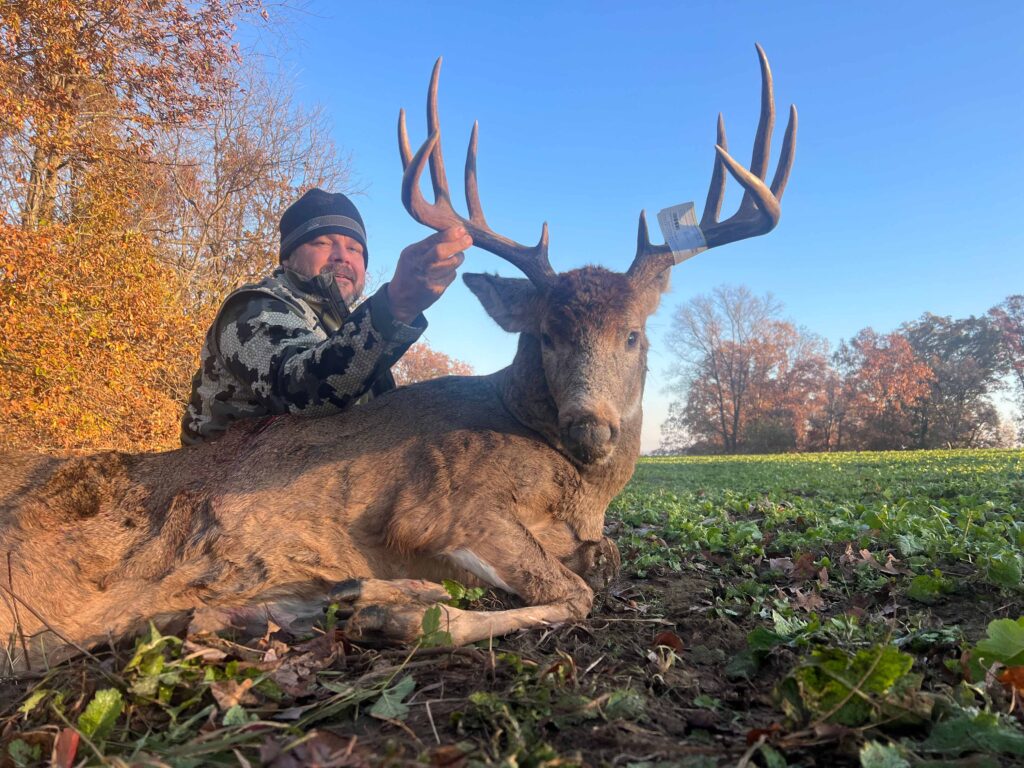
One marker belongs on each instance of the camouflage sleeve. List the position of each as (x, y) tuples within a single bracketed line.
[(294, 366)]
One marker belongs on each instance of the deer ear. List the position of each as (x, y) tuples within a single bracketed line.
[(512, 302), (655, 287)]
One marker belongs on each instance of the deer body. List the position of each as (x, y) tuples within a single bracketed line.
[(270, 518), (500, 479)]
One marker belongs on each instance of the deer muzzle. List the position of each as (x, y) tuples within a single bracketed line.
[(589, 437)]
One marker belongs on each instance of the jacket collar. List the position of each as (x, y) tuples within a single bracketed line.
[(321, 291)]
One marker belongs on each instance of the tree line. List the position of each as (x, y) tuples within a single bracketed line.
[(749, 381), (144, 163)]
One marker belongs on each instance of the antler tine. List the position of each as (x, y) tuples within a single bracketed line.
[(716, 189), (438, 178), (650, 259), (765, 125), (786, 156), (759, 209), (404, 150), (532, 262), (436, 216), (476, 211)]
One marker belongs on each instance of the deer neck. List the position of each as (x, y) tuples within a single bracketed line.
[(524, 392)]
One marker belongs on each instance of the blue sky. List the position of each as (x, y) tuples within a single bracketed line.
[(906, 194)]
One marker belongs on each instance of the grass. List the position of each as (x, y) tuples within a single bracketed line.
[(849, 609)]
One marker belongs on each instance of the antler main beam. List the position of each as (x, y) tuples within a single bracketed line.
[(531, 261), (760, 208)]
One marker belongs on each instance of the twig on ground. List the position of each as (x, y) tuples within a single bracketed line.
[(418, 653), (17, 616), (433, 727), (404, 727)]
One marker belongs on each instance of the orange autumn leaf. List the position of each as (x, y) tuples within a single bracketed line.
[(1013, 678)]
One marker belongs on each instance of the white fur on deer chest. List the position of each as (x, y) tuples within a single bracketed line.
[(468, 559)]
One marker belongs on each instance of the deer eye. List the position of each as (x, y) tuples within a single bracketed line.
[(633, 339), (546, 341)]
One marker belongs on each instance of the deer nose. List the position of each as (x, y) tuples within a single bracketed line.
[(590, 438)]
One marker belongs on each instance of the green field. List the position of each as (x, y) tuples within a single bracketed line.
[(962, 508), (806, 610)]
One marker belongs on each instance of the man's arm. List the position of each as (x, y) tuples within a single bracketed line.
[(293, 366)]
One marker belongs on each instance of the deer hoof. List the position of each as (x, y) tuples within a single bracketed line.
[(601, 563), (347, 591)]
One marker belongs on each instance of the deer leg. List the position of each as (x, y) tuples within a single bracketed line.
[(597, 562), (393, 611), (499, 551)]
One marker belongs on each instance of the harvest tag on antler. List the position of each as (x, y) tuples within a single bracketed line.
[(679, 227)]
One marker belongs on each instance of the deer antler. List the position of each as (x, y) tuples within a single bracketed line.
[(533, 262), (759, 209)]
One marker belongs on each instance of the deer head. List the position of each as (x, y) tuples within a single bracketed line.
[(587, 326)]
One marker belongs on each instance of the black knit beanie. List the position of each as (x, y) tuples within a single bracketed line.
[(320, 213)]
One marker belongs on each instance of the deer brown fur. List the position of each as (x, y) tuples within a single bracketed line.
[(501, 480)]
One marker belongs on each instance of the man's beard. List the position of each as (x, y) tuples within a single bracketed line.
[(343, 270)]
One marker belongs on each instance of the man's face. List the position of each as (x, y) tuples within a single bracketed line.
[(339, 254)]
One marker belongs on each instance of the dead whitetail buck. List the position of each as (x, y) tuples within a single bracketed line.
[(500, 479)]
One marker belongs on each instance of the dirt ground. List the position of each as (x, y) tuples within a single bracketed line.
[(656, 638), (643, 682)]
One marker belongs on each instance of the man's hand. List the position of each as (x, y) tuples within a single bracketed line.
[(424, 270)]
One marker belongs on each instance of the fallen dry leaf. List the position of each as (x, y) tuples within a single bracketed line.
[(669, 640), (890, 566), (564, 668), (754, 734), (448, 756), (65, 747), (808, 601), (318, 748), (1013, 678), (204, 652), (228, 693), (803, 568), (848, 558)]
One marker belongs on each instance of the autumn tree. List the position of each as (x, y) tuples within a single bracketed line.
[(1008, 319), (709, 337), (964, 356), (826, 414), (884, 383), (745, 379), (94, 335), (82, 80), (422, 362), (225, 179)]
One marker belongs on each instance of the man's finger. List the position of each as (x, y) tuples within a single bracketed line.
[(451, 262), (449, 248), (447, 235), (436, 271)]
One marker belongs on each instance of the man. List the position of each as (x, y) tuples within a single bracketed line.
[(291, 344)]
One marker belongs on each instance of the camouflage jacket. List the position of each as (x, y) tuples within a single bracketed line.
[(290, 345)]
